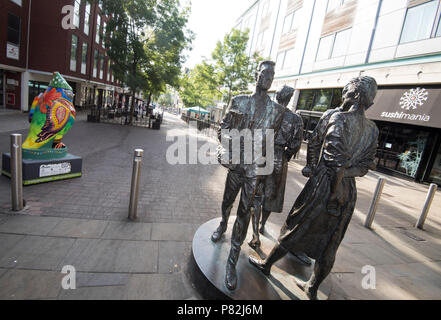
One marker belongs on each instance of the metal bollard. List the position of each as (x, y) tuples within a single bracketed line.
[(427, 204), (373, 209), (16, 172), (134, 191)]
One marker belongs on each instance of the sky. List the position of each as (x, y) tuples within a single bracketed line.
[(210, 20)]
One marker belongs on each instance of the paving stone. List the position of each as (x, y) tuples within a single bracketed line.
[(173, 231), (30, 284), (93, 293), (77, 228), (156, 287), (127, 231), (39, 226), (101, 279), (173, 255), (91, 255), (8, 241), (35, 252)]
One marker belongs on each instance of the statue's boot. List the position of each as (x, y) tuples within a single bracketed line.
[(265, 265), (215, 237), (231, 274)]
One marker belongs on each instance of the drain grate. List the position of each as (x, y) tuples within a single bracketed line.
[(412, 236)]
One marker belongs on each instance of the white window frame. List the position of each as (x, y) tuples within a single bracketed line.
[(435, 26), (331, 51)]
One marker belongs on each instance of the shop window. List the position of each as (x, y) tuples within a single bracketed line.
[(401, 149), (320, 100), (419, 22), (73, 53), (14, 23), (84, 58)]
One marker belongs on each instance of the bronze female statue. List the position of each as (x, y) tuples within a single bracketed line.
[(321, 214)]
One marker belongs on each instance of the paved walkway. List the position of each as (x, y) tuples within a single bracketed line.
[(82, 222)]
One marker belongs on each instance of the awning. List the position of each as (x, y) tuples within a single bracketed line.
[(197, 110), (419, 106)]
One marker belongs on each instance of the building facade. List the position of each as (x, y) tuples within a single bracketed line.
[(319, 45), (42, 36)]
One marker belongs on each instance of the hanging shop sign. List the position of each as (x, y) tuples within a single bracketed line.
[(417, 106), (12, 51)]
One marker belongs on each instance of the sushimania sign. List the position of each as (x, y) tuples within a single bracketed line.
[(411, 100), (418, 106)]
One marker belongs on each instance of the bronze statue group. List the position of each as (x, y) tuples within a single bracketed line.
[(341, 148)]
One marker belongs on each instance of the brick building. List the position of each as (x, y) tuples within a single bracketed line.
[(34, 44)]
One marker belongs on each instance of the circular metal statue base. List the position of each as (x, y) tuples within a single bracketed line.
[(252, 284)]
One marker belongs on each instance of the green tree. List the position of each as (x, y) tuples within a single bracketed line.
[(199, 86), (145, 40), (234, 69)]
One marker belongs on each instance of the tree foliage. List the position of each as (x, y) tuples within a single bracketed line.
[(228, 73), (145, 41)]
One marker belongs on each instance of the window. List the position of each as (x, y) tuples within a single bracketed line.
[(108, 70), (101, 66), (14, 23), (438, 32), (419, 22), (98, 29), (73, 53), (320, 100), (18, 2), (289, 59), (341, 43), (84, 59), (95, 63), (87, 19), (280, 60), (76, 21), (104, 29), (334, 4), (334, 45), (325, 47), (291, 21)]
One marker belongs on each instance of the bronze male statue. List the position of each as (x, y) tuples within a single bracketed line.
[(321, 214), (288, 141), (255, 112)]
